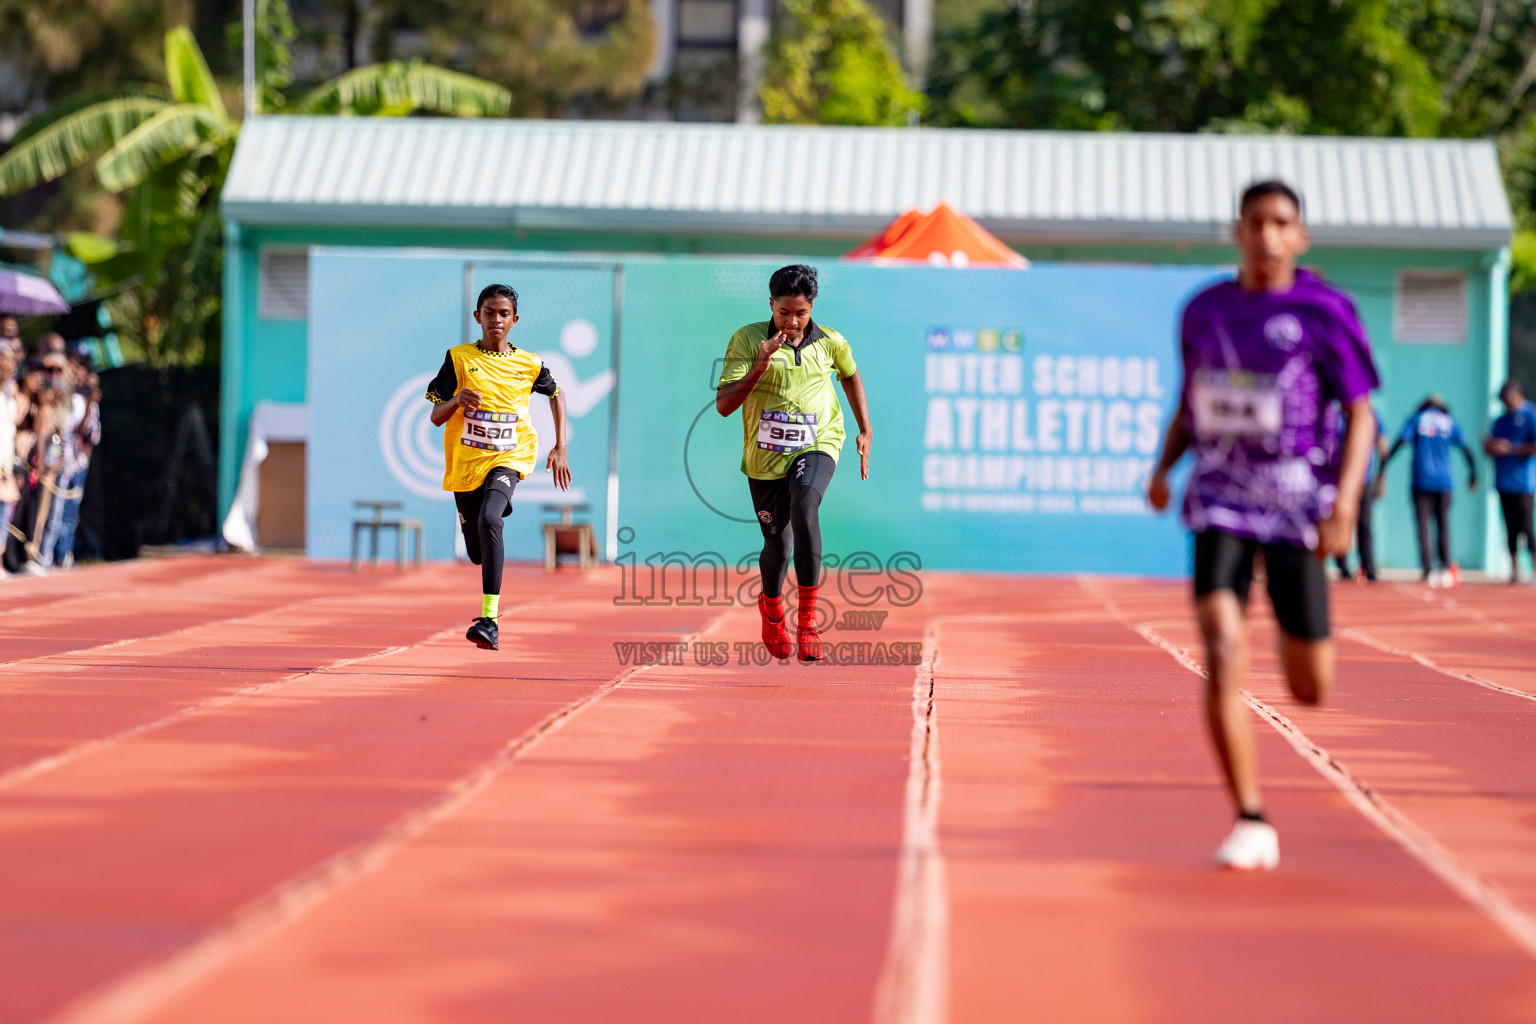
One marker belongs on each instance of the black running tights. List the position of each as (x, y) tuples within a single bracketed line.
[(1517, 523), (480, 514), (1434, 505), (788, 511)]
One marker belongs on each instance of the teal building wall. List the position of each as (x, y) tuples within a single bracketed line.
[(267, 359)]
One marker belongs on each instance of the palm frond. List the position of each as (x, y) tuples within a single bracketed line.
[(73, 139), (171, 133), (188, 74), (407, 86)]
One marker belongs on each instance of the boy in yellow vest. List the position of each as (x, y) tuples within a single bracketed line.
[(489, 443)]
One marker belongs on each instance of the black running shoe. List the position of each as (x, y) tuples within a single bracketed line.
[(483, 634)]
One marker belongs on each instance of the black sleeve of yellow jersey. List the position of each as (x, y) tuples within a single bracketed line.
[(445, 385), (544, 383)]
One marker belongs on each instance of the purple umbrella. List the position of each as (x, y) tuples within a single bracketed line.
[(29, 295)]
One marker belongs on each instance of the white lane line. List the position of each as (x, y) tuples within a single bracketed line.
[(69, 755), (1462, 877), (1431, 664), (126, 588), (151, 988), (1440, 599), (914, 982), (62, 657)]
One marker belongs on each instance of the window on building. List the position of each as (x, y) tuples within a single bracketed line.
[(283, 292), (706, 23), (1430, 307)]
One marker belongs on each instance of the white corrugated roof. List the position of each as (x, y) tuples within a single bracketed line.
[(790, 180)]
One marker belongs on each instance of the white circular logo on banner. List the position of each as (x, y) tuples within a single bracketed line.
[(405, 440)]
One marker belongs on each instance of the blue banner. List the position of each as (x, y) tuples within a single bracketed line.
[(1016, 414), (380, 324)]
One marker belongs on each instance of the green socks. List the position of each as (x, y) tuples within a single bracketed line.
[(490, 604)]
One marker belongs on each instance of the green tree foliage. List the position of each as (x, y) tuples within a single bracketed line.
[(168, 148), (1464, 68), (1188, 65), (274, 58), (832, 62), (59, 48), (556, 57)]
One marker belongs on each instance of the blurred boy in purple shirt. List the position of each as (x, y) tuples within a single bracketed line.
[(1264, 355)]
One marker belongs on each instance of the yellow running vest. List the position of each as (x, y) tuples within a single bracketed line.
[(500, 432)]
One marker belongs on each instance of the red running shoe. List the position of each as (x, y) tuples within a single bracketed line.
[(775, 632), (811, 646)]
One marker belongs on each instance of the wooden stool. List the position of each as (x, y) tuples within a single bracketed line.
[(568, 537), (373, 527)]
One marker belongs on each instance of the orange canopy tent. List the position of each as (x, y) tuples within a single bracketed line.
[(942, 237)]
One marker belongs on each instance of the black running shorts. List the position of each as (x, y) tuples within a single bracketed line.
[(1298, 587)]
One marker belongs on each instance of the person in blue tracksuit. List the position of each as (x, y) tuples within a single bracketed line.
[(1512, 443), (1433, 433), (1334, 429)]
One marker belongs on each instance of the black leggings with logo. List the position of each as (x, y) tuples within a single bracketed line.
[(480, 514), (788, 511)]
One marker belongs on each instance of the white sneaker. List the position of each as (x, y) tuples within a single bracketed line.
[(1251, 846), (1437, 579), (34, 569)]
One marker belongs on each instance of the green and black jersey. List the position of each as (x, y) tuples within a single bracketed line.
[(794, 408)]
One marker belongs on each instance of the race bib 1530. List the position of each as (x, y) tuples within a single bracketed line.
[(786, 431), (496, 431), (1236, 404)]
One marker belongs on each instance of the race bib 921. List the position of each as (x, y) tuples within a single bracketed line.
[(1237, 404), (786, 431), (495, 431)]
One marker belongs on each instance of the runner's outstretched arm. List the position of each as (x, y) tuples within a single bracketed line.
[(853, 387), (1175, 444), (556, 463), (1336, 534)]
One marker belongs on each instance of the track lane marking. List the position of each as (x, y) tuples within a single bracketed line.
[(1364, 638), (1435, 599), (62, 657), (914, 981), (124, 588), (69, 755), (1461, 877), (150, 988)]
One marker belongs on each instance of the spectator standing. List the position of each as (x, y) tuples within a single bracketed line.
[(1333, 431), (52, 344), (11, 407), (34, 434), (80, 433), (1512, 443), (1433, 432)]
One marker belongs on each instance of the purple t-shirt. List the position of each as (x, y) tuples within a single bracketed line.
[(1260, 368)]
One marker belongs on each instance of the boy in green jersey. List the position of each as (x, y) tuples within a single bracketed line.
[(779, 374)]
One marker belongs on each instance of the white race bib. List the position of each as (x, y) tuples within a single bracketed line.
[(1237, 404), (495, 431), (786, 431)]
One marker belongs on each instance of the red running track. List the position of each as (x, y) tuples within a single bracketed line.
[(241, 790)]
